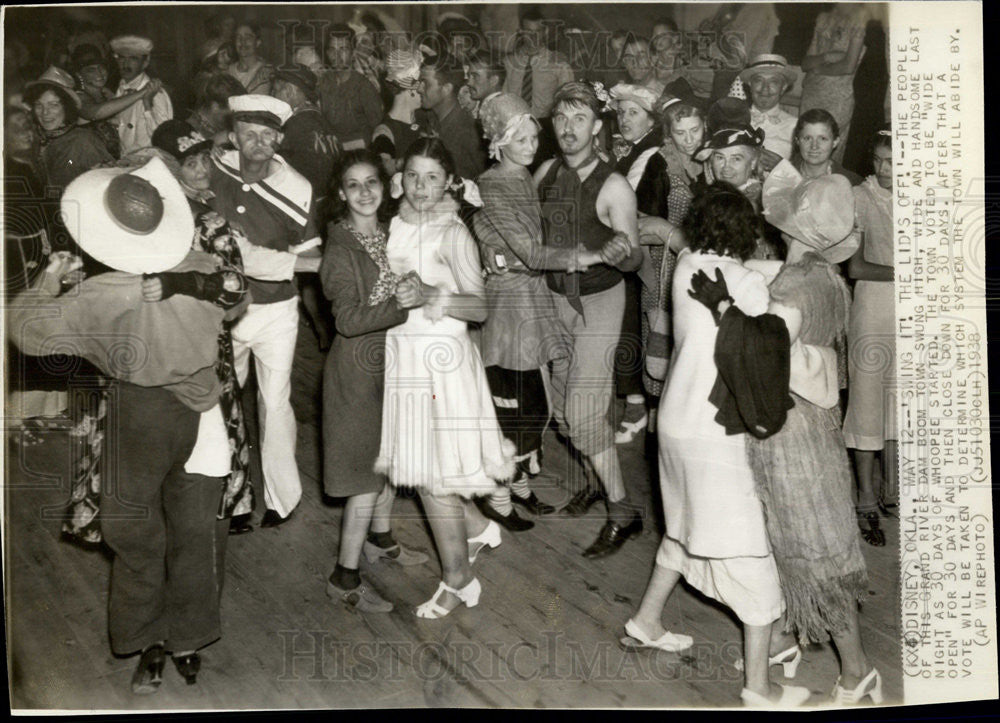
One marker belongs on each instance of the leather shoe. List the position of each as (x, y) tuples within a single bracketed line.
[(532, 504), (149, 673), (272, 519), (582, 501), (240, 524), (188, 666), (511, 522), (612, 537)]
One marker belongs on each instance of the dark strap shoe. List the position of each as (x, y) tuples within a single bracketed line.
[(532, 504), (511, 522), (188, 666), (612, 537), (240, 524), (582, 501), (149, 673), (273, 519)]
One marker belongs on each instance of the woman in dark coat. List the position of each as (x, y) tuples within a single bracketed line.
[(357, 281)]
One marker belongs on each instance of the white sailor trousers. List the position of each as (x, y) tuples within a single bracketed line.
[(269, 331)]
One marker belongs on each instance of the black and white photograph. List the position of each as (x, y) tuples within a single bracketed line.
[(457, 355)]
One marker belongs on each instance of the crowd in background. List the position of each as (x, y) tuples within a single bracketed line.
[(640, 238)]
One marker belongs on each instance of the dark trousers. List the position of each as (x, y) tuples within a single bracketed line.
[(522, 410), (161, 524), (629, 354)]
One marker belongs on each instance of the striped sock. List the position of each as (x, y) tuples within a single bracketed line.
[(500, 501)]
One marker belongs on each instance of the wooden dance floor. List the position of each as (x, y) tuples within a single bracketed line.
[(545, 634)]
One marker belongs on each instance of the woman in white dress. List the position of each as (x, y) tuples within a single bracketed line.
[(439, 429), (715, 535), (870, 423)]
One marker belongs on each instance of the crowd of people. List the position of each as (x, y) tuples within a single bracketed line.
[(662, 247)]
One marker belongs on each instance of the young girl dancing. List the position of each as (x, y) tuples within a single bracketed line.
[(357, 280), (439, 429)]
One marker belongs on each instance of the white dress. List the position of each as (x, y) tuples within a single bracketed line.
[(715, 523), (439, 427)]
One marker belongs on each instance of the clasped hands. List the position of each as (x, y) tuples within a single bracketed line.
[(412, 292)]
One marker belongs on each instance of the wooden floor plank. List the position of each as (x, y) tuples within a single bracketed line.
[(545, 634)]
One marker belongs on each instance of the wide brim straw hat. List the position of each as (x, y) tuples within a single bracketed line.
[(818, 213), (134, 220), (59, 79)]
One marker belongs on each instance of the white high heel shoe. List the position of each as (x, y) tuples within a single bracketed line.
[(788, 660), (468, 595), (842, 696), (792, 696), (490, 537)]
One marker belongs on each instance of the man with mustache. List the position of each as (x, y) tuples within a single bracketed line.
[(585, 203), (273, 203)]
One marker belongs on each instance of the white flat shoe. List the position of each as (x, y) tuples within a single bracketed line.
[(792, 696), (870, 685), (468, 595), (627, 431), (490, 537), (788, 660), (671, 642)]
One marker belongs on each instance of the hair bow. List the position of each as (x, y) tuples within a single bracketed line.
[(469, 190)]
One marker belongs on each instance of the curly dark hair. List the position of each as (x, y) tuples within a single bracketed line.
[(32, 94), (722, 221), (358, 156)]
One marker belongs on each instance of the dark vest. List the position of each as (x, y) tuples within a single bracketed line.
[(568, 219)]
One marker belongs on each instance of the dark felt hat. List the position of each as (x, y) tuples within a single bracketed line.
[(179, 139), (302, 77)]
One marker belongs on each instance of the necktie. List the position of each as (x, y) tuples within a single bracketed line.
[(526, 83)]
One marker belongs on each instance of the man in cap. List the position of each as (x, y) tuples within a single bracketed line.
[(586, 203), (309, 145), (159, 503), (137, 122), (273, 203), (768, 77)]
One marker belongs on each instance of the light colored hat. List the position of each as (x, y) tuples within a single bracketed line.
[(641, 96), (818, 213), (131, 45), (770, 64), (501, 115), (133, 220), (262, 109), (58, 77), (307, 56), (403, 68)]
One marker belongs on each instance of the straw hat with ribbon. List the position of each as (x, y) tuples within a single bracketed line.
[(134, 220), (402, 68), (817, 213), (768, 64)]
